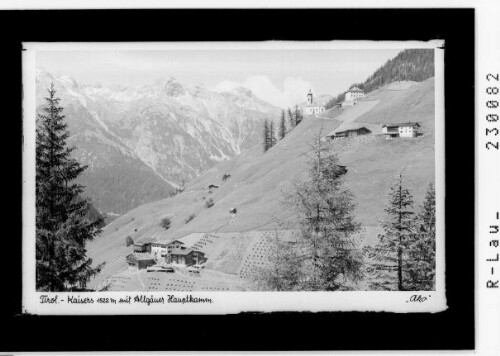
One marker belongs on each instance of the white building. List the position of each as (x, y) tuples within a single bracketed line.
[(161, 248), (311, 108), (158, 249), (354, 94), (405, 129)]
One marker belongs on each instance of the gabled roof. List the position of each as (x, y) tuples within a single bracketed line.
[(179, 251), (350, 126), (402, 124), (159, 242), (355, 89), (163, 242), (183, 252), (179, 241), (142, 256)]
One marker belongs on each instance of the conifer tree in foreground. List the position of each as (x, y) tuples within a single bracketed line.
[(61, 227), (391, 252), (330, 259), (282, 128), (421, 267)]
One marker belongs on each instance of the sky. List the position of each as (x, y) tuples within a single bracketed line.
[(280, 76)]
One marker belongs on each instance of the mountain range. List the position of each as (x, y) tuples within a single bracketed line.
[(143, 143)]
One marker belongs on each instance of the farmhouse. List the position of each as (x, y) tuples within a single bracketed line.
[(405, 129), (348, 130), (311, 108), (141, 247), (176, 244), (186, 257), (159, 249), (140, 260), (354, 94)]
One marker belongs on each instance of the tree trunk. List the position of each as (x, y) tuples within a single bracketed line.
[(400, 248), (400, 266)]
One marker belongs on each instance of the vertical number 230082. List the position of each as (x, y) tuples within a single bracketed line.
[(493, 110)]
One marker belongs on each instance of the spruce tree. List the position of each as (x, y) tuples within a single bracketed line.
[(291, 118), (282, 128), (266, 143), (62, 229), (272, 134), (391, 251), (328, 228), (298, 115), (421, 267)]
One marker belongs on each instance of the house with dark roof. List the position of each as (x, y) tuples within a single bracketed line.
[(185, 257), (140, 247), (140, 260), (347, 130), (403, 129)]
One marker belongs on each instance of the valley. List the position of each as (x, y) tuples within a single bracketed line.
[(236, 242), (163, 135)]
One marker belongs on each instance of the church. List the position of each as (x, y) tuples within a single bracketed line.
[(311, 108)]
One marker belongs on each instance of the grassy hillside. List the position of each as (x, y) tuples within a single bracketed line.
[(409, 65), (258, 180)]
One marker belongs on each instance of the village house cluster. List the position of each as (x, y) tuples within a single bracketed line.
[(353, 129), (174, 252)]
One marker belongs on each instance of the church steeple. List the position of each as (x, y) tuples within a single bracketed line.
[(310, 97)]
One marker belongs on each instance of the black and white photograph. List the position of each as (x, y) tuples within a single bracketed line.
[(250, 177), (182, 170)]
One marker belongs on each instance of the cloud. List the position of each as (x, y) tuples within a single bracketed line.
[(294, 89)]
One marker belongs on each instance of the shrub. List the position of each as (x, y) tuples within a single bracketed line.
[(129, 241), (165, 223), (189, 218), (209, 203)]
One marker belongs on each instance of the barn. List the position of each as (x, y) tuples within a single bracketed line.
[(140, 260), (140, 247), (349, 130), (185, 257)]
